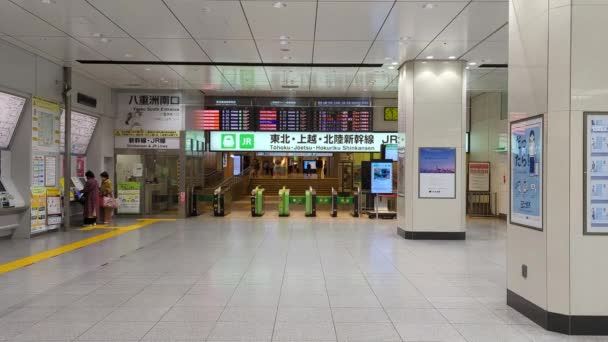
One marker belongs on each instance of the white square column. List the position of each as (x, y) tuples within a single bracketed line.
[(432, 114), (558, 276)]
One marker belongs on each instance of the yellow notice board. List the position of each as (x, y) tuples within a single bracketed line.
[(45, 125), (38, 209)]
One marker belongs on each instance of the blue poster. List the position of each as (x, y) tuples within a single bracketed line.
[(527, 173), (437, 172)]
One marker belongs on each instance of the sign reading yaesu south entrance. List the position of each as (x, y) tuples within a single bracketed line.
[(300, 141)]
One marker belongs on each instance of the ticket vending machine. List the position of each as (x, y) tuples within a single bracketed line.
[(334, 203), (311, 202)]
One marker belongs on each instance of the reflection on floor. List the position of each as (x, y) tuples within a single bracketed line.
[(266, 279)]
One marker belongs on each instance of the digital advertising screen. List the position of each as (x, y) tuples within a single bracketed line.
[(382, 176), (309, 166), (11, 107), (83, 127)]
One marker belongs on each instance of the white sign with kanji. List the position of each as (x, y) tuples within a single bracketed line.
[(150, 112)]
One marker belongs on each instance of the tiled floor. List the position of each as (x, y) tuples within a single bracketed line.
[(267, 279)]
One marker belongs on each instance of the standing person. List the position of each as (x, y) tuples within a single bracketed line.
[(107, 190), (91, 199)]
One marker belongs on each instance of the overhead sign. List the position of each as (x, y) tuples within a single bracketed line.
[(138, 112), (158, 134), (300, 142), (147, 143)]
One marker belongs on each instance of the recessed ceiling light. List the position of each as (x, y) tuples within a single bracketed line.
[(391, 67), (472, 63), (284, 42), (394, 63), (404, 38), (47, 2), (452, 57), (430, 57), (148, 69), (283, 37), (467, 68), (128, 55), (365, 89), (97, 35), (279, 4), (286, 57), (428, 6), (104, 40)]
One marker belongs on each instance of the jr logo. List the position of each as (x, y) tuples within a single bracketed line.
[(246, 141)]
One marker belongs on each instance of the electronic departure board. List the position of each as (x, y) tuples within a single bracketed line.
[(293, 120), (235, 119), (268, 120), (342, 121), (208, 119)]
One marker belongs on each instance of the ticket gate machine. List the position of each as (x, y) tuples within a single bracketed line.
[(257, 202), (311, 202), (221, 204), (356, 203), (284, 202), (334, 203)]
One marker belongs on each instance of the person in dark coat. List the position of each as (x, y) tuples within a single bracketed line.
[(91, 199)]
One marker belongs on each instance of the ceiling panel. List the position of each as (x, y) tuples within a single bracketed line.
[(115, 75), (488, 80), (31, 49), (231, 50), (75, 17), (411, 21), (477, 21), (341, 51), (203, 77), (386, 51), (295, 20), (350, 20), (211, 19), (373, 79), (142, 18), (17, 22), (445, 49), (62, 48), (282, 77), (186, 50), (489, 52), (119, 49), (273, 51)]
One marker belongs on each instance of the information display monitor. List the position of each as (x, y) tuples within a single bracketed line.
[(11, 107), (382, 176), (390, 152), (83, 126)]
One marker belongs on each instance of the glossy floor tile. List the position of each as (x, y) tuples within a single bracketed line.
[(292, 279)]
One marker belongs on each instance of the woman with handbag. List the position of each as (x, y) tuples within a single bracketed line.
[(107, 203), (90, 194)]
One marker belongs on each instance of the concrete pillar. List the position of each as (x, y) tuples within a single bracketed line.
[(432, 115), (558, 276)]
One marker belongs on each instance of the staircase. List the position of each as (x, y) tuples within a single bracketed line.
[(297, 186)]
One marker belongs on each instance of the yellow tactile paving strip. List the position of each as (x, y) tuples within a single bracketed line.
[(115, 231)]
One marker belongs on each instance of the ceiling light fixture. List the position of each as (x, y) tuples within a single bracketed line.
[(428, 6), (286, 57), (467, 68), (279, 4), (47, 2), (452, 57), (394, 63), (284, 42), (391, 67), (104, 40), (430, 57), (128, 55), (283, 37), (472, 63), (148, 69)]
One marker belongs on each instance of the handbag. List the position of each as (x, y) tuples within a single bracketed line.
[(111, 202)]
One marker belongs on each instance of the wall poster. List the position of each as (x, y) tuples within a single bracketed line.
[(38, 209), (53, 207), (50, 171), (38, 170), (527, 172), (129, 195), (479, 176), (437, 172), (595, 170), (45, 125)]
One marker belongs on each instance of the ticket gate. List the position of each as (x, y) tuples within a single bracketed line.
[(284, 202), (356, 203), (334, 203), (311, 202), (257, 202), (221, 202)]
